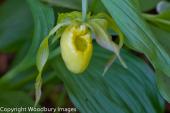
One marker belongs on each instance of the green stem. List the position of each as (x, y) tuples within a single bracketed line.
[(84, 10)]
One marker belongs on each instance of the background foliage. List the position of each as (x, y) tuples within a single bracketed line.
[(132, 90)]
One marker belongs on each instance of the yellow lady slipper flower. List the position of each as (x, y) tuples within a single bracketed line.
[(76, 47)]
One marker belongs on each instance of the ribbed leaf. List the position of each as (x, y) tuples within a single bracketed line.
[(94, 5), (163, 81), (121, 90), (15, 25), (148, 4), (162, 20), (162, 36), (43, 20), (139, 36), (163, 85), (71, 4)]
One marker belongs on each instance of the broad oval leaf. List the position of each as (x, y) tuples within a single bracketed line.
[(43, 21), (15, 25), (121, 90), (162, 80), (138, 35)]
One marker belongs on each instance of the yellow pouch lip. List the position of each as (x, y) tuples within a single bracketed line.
[(76, 60)]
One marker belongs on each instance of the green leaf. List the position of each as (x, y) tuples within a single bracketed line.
[(73, 4), (15, 25), (94, 5), (163, 84), (148, 4), (138, 35), (162, 36), (163, 81), (121, 90), (44, 20), (162, 20), (15, 99)]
